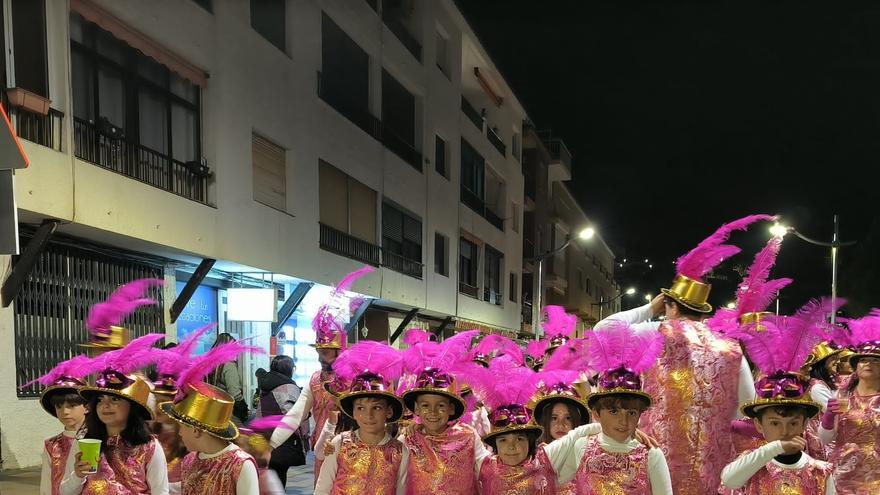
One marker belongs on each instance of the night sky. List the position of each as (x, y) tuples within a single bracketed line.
[(684, 115)]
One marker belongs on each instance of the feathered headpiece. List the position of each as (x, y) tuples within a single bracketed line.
[(780, 349), (506, 388), (371, 368), (174, 361), (415, 336), (754, 294), (535, 351), (330, 332), (64, 378), (494, 345), (434, 366), (104, 321), (688, 287), (864, 336), (558, 326), (620, 354), (201, 366), (558, 382)]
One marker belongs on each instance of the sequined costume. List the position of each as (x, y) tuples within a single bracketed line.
[(811, 479), (122, 469), (441, 463), (694, 386), (535, 476), (612, 473), (358, 463), (58, 449), (213, 476), (856, 456), (322, 402)]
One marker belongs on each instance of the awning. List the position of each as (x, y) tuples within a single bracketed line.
[(140, 41)]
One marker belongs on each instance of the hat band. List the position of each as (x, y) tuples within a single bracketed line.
[(510, 415), (690, 291), (212, 413)]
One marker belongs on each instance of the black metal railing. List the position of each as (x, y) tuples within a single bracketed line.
[(496, 141), (44, 130), (406, 38), (476, 203), (402, 264), (472, 113), (468, 290), (401, 148), (492, 296), (139, 162), (339, 242), (337, 97)]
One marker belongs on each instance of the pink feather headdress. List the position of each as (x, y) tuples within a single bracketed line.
[(330, 332), (620, 354), (573, 355), (71, 371), (138, 354), (558, 326), (268, 423), (121, 303), (506, 388), (494, 345), (201, 366), (755, 293), (369, 357), (864, 334), (415, 336), (173, 361), (713, 250)]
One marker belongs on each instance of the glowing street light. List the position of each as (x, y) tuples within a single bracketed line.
[(648, 297), (731, 305), (630, 291), (779, 230), (587, 233)]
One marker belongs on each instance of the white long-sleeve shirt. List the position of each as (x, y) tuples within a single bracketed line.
[(327, 433), (328, 469), (738, 473), (293, 417), (46, 470), (821, 394), (157, 473), (638, 319)]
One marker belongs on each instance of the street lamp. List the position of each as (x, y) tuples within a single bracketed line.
[(648, 297), (601, 304), (585, 234), (780, 230)]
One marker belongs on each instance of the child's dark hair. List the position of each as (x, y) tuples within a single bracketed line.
[(784, 411), (71, 398), (533, 441), (609, 402), (684, 310), (135, 432), (547, 418), (820, 372)]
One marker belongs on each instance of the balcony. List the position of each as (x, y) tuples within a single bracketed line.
[(336, 97), (472, 114), (409, 41), (401, 148), (347, 245), (492, 296), (188, 180), (474, 202), (44, 130), (402, 265), (559, 168), (496, 141)]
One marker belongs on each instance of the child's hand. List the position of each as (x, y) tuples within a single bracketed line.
[(333, 417), (793, 446), (81, 468), (647, 440), (328, 448)]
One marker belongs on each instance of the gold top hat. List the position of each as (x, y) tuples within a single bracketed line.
[(206, 408), (781, 389), (690, 293), (822, 351), (434, 381), (620, 381), (129, 387), (755, 317), (574, 394), (328, 340), (370, 385), (64, 385), (113, 338), (512, 418)]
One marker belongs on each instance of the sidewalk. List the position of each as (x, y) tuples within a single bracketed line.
[(300, 480)]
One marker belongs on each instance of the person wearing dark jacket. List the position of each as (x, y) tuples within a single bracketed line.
[(278, 393)]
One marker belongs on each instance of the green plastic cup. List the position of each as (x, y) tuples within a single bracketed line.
[(91, 452)]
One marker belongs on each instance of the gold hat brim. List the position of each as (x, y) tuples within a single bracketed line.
[(140, 404), (617, 391), (701, 308), (752, 408), (409, 399), (346, 402), (229, 433), (326, 346), (854, 358), (580, 405), (52, 390), (530, 428)]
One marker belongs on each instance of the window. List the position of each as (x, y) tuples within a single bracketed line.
[(468, 261), (270, 173), (441, 254), (440, 163), (516, 146), (581, 280), (344, 81), (443, 54), (29, 40), (346, 204), (399, 120), (511, 288), (401, 233), (473, 170), (589, 286), (492, 276), (269, 17), (514, 217)]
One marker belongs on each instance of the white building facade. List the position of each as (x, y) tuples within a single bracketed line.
[(289, 141)]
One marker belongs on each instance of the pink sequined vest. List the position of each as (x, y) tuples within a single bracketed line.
[(322, 402), (58, 448), (358, 463), (774, 480), (856, 455), (122, 469), (533, 477), (694, 386), (214, 476), (441, 463), (602, 472), (815, 449)]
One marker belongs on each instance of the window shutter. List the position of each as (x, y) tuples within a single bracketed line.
[(270, 177)]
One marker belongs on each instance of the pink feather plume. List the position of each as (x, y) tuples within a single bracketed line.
[(268, 423), (329, 316), (709, 253), (175, 360), (861, 330), (415, 336), (504, 382), (618, 344), (558, 322), (572, 355), (121, 303), (536, 348), (138, 354), (498, 345), (203, 365), (75, 367), (441, 356), (369, 356)]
